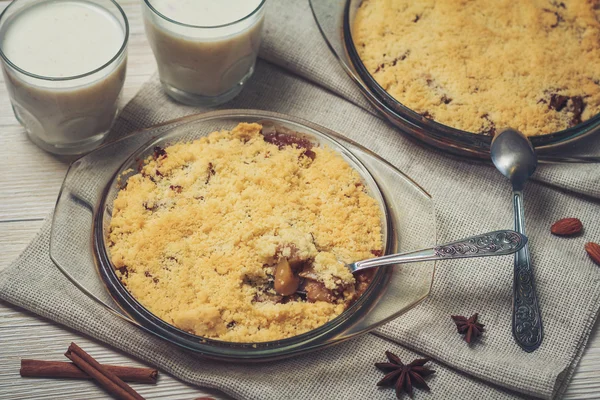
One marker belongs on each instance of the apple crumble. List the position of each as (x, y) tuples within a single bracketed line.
[(484, 65), (242, 235)]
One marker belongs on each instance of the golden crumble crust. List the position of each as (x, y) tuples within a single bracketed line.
[(483, 65), (197, 234)]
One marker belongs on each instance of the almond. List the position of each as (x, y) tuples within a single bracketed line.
[(593, 250), (566, 227)]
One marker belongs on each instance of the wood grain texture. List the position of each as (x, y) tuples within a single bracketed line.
[(23, 335), (14, 237), (29, 183)]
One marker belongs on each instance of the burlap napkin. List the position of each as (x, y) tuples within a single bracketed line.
[(303, 79)]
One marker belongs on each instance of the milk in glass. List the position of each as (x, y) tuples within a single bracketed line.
[(205, 49), (64, 65)]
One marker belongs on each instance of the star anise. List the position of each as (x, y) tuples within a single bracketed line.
[(468, 327), (404, 377)]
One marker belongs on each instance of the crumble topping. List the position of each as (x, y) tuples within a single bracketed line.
[(482, 65), (242, 235)]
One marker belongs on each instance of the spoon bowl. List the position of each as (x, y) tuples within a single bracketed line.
[(514, 156)]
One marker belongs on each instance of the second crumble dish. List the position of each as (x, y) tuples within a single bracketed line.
[(484, 65)]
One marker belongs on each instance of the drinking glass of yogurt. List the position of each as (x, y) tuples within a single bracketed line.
[(64, 66), (205, 49)]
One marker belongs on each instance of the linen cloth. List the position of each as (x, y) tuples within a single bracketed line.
[(301, 78)]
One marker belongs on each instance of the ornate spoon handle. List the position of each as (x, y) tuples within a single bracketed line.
[(526, 322), (498, 243)]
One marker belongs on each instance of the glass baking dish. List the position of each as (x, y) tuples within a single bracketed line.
[(335, 19), (84, 209)]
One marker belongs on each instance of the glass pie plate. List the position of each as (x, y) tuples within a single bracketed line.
[(335, 19), (83, 214)]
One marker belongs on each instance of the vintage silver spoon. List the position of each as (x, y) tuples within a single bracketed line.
[(514, 156), (496, 243)]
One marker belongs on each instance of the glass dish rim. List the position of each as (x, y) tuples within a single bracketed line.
[(119, 53), (161, 15)]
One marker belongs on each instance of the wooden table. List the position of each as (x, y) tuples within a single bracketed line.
[(29, 183)]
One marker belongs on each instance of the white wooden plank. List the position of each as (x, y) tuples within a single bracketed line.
[(30, 177), (586, 380), (14, 237), (23, 335)]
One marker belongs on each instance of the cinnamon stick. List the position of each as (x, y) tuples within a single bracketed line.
[(59, 369), (108, 380)]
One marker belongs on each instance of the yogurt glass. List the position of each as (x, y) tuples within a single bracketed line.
[(64, 65), (205, 49)]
